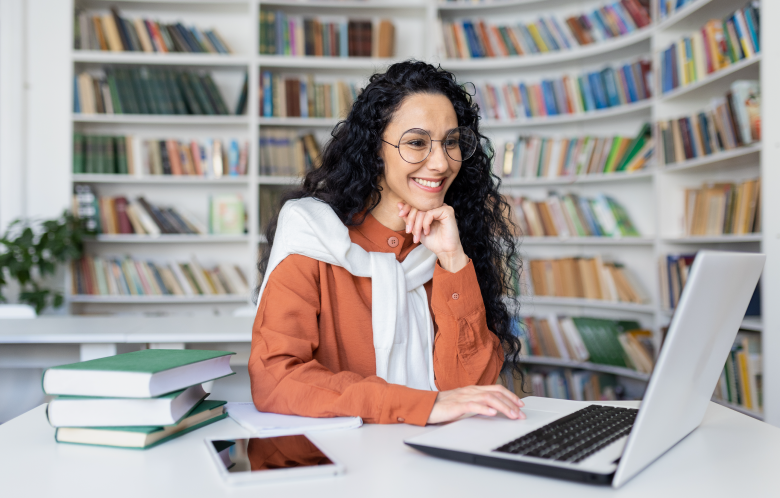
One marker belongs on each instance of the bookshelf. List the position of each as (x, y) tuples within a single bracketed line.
[(652, 195)]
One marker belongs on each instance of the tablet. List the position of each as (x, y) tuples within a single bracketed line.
[(250, 460)]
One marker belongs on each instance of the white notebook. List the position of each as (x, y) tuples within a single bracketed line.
[(273, 424)]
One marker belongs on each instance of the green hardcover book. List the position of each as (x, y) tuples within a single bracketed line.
[(127, 92), (193, 106), (141, 99), (609, 164), (100, 154), (88, 411), (571, 210), (89, 155), (150, 95), (111, 162), (623, 221), (192, 80), (78, 153), (114, 90), (121, 155), (140, 374), (161, 91), (590, 340), (635, 146), (213, 91), (142, 438), (174, 93)]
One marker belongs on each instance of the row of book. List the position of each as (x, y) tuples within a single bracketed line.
[(668, 7), (144, 90), (552, 157), (565, 383), (113, 32), (466, 39), (574, 94), (98, 276), (740, 383), (723, 208), (282, 97), (673, 273), (584, 278), (161, 399), (717, 45), (571, 215), (595, 340), (130, 155), (284, 152), (728, 122), (283, 34)]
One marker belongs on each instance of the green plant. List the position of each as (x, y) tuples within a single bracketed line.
[(31, 250)]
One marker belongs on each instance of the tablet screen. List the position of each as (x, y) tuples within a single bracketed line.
[(260, 454)]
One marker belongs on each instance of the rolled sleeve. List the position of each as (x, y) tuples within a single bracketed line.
[(456, 294)]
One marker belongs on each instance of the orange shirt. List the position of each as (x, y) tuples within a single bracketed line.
[(312, 339)]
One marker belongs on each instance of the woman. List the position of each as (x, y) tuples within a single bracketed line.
[(370, 304)]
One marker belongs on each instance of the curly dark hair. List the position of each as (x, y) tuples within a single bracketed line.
[(348, 181)]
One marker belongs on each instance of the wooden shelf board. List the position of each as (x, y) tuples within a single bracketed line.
[(168, 239), (734, 68), (89, 299), (713, 159), (587, 241), (610, 369), (610, 112), (157, 58), (715, 239), (313, 62), (578, 179), (586, 303), (160, 119), (160, 179), (574, 54), (302, 122)]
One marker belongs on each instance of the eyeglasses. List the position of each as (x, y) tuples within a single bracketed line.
[(415, 145)]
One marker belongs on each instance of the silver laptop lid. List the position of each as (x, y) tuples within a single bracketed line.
[(700, 336)]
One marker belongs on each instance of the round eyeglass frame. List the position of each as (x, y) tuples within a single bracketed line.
[(430, 149)]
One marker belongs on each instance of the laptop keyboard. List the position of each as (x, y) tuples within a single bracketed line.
[(575, 437)]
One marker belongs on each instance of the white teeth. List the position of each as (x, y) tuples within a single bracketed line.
[(426, 183)]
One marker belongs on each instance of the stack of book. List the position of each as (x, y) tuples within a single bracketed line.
[(566, 383), (97, 276), (673, 273), (283, 152), (727, 123), (571, 215), (740, 382), (584, 278), (303, 97), (550, 157), (283, 34), (595, 340), (570, 94), (134, 400), (102, 154), (723, 208), (118, 215), (117, 34), (466, 39), (144, 90), (717, 45)]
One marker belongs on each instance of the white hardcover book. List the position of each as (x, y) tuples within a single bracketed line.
[(143, 217), (560, 341), (184, 283), (575, 339)]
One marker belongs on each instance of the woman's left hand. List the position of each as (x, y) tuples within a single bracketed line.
[(437, 230)]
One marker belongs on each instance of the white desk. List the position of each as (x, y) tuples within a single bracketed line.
[(730, 455)]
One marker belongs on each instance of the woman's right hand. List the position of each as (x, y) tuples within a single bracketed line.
[(480, 400)]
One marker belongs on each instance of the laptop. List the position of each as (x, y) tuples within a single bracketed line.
[(607, 444)]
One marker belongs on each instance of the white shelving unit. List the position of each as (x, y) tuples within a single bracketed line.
[(650, 196)]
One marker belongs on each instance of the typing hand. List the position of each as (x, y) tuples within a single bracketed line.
[(480, 400), (437, 230)]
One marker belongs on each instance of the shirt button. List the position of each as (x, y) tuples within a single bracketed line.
[(401, 420), (392, 241), (455, 296)]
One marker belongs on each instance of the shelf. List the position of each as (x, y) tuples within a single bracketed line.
[(312, 122), (575, 54), (461, 5), (586, 241), (610, 112), (734, 68), (713, 159), (160, 179), (278, 180), (585, 303), (346, 4), (160, 119), (752, 323), (681, 14), (609, 369), (168, 239), (744, 411), (313, 62), (577, 179), (225, 298), (715, 239), (156, 58)]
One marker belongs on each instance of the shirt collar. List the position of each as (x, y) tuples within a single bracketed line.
[(383, 238)]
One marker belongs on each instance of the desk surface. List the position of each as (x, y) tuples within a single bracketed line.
[(730, 455)]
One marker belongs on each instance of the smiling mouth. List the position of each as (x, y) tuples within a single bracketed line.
[(427, 183)]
